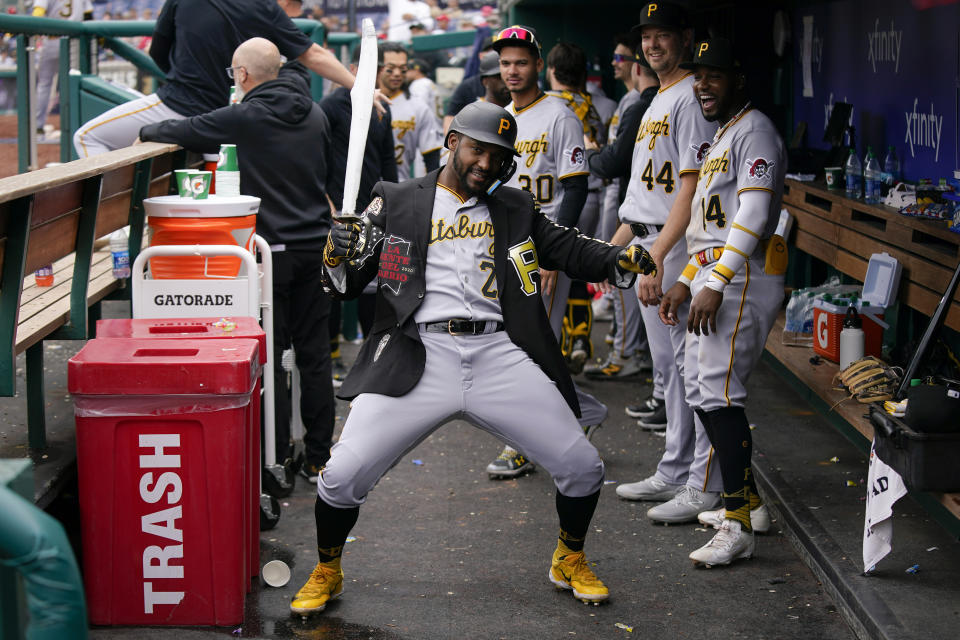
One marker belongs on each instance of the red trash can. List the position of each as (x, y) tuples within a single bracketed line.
[(204, 328), (161, 464)]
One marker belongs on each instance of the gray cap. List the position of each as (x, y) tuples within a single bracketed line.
[(490, 64)]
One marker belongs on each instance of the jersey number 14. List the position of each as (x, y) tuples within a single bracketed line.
[(712, 211)]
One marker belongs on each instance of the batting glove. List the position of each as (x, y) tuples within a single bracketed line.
[(636, 259), (342, 243)]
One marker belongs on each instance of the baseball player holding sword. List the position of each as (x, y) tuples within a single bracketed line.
[(735, 275), (461, 333), (671, 141)]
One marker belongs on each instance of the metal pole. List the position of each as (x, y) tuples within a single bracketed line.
[(63, 86), (26, 118), (351, 16)]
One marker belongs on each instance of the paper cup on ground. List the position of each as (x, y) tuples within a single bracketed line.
[(834, 176), (200, 184), (276, 573), (182, 176)]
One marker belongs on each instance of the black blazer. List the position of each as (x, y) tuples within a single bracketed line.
[(392, 358)]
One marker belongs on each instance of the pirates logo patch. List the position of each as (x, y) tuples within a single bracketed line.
[(576, 156), (702, 149), (759, 169)]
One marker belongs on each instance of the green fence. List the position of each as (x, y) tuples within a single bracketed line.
[(85, 96)]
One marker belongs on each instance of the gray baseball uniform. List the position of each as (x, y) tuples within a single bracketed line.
[(735, 208), (484, 379), (626, 307), (671, 141), (415, 127)]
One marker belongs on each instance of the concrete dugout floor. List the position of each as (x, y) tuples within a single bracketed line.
[(441, 551)]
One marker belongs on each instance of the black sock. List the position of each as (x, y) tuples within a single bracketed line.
[(733, 442), (575, 515), (333, 527)]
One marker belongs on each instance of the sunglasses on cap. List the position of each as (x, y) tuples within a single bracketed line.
[(517, 33)]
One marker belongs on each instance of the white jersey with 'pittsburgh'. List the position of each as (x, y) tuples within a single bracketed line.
[(748, 156), (415, 127), (672, 140), (550, 144)]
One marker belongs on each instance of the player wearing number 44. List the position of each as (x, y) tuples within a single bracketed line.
[(460, 333), (671, 142)]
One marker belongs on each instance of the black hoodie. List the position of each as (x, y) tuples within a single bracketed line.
[(282, 140)]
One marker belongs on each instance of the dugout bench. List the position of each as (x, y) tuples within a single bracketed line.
[(844, 233), (56, 216)]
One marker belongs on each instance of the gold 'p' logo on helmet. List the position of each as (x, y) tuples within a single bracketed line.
[(703, 48), (651, 8), (504, 126)]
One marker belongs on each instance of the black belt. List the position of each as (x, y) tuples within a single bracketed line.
[(460, 327), (643, 230)]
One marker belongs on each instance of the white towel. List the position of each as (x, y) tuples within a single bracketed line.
[(884, 488)]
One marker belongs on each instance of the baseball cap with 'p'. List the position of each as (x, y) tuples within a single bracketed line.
[(663, 14), (716, 53)]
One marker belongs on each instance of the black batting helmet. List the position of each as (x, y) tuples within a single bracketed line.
[(486, 122)]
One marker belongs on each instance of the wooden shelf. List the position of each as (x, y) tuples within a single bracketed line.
[(820, 380), (844, 233)]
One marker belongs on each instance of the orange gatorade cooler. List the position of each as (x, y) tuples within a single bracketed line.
[(228, 220), (161, 467), (190, 329)]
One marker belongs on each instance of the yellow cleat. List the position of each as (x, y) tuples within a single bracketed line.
[(325, 584), (569, 570)]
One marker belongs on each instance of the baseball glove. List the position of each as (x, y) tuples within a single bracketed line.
[(868, 380)]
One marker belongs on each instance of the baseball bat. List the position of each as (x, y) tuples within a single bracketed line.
[(933, 328), (361, 102)]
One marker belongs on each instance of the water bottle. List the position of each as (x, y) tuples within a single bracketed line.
[(791, 323), (851, 339), (44, 276), (891, 167), (854, 174), (807, 314), (871, 178), (120, 250)]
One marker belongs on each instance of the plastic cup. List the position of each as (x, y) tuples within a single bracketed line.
[(228, 171), (228, 158), (182, 176), (276, 573), (834, 176), (200, 184)]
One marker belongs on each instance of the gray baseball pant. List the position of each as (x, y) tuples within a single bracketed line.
[(486, 380)]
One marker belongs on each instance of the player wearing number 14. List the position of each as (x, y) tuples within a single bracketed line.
[(735, 276)]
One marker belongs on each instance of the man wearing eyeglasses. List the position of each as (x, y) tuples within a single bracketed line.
[(282, 140), (415, 125), (192, 43)]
